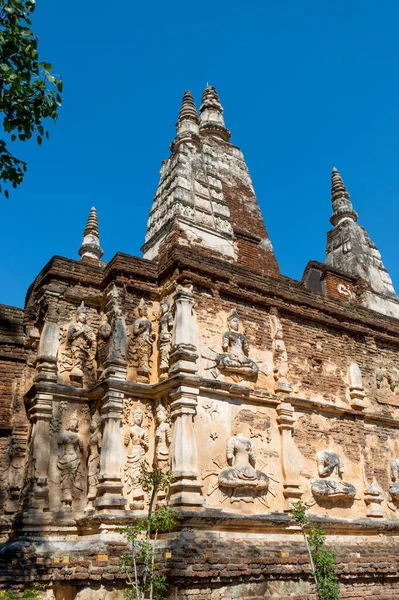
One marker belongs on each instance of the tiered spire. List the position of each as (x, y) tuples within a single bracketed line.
[(205, 196), (91, 238), (342, 207), (349, 248), (211, 114), (187, 126)]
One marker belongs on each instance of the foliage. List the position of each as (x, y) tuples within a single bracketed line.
[(29, 93), (139, 564), (322, 560), (30, 594)]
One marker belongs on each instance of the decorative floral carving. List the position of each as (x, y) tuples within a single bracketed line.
[(58, 416)]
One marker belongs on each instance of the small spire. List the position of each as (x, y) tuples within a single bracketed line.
[(91, 238), (342, 206), (188, 112), (187, 126), (211, 114)]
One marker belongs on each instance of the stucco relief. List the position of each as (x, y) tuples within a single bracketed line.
[(238, 474), (136, 442), (70, 449), (165, 337), (163, 439), (141, 343), (79, 350), (330, 484), (234, 361), (103, 337), (394, 487), (93, 462)]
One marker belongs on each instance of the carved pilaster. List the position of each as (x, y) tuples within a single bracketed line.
[(186, 489), (184, 355), (109, 490), (289, 454), (47, 354), (40, 415)]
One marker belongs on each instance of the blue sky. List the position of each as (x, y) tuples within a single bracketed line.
[(305, 86)]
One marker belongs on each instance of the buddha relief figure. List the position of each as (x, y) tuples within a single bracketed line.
[(104, 333), (143, 338), (235, 357), (241, 476), (165, 337), (394, 472), (70, 448), (331, 469), (93, 463), (80, 340), (136, 441)]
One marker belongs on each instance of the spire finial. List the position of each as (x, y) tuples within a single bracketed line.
[(211, 114), (187, 126), (91, 238), (342, 206)]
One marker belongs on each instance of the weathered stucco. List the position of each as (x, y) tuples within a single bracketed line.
[(253, 389)]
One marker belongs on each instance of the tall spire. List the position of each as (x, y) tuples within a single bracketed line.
[(205, 198), (342, 206), (187, 126), (351, 251), (211, 115), (91, 238)]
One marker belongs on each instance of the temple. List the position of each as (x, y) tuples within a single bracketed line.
[(201, 359)]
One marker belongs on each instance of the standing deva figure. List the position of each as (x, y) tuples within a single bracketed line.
[(163, 438), (136, 440), (93, 463), (80, 339), (142, 332), (70, 448), (165, 337)]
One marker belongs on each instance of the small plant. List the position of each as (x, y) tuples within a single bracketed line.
[(139, 564), (30, 594), (322, 560)]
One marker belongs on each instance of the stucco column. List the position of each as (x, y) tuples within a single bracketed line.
[(186, 489), (289, 454), (109, 489), (183, 357), (47, 354), (40, 415)]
